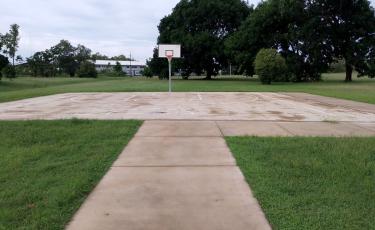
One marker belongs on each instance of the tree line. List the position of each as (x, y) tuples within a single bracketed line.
[(62, 58), (65, 58), (310, 35)]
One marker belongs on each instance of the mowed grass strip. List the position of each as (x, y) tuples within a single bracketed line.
[(47, 168), (311, 183), (332, 86)]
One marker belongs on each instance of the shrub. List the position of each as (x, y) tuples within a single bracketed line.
[(9, 71), (270, 66), (117, 69), (87, 69), (147, 72), (164, 74)]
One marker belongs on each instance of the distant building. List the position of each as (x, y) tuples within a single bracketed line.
[(131, 68)]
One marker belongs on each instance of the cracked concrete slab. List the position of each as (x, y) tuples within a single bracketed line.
[(252, 128), (176, 151), (368, 126), (184, 198), (189, 106), (325, 129), (179, 129), (331, 102)]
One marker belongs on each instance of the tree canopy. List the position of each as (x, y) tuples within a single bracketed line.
[(121, 57), (350, 28), (202, 26), (310, 34), (61, 58)]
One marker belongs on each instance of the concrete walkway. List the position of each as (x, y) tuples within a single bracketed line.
[(173, 175)]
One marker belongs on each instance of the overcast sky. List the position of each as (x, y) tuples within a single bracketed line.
[(110, 27)]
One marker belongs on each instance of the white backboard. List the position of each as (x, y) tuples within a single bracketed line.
[(169, 49)]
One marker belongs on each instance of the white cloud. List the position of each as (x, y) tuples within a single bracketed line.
[(111, 27)]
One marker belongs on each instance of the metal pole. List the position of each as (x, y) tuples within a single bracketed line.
[(230, 69), (131, 69), (170, 74)]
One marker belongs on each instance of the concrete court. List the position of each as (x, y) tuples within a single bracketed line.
[(185, 178), (190, 106)]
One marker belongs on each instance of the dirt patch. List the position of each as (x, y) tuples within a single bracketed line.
[(275, 112), (292, 118)]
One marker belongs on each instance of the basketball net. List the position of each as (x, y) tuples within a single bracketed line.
[(169, 57)]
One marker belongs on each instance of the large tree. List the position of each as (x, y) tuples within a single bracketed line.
[(61, 58), (350, 26), (64, 55), (11, 40), (68, 57), (42, 64), (310, 34), (202, 26), (284, 25)]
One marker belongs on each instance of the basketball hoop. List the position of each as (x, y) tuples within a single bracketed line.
[(169, 51)]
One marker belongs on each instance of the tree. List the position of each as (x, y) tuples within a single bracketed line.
[(118, 69), (3, 63), (9, 71), (42, 64), (270, 66), (147, 72), (120, 58), (98, 56), (87, 69), (82, 53), (202, 26), (11, 40), (1, 42), (350, 27), (287, 26), (158, 65), (64, 54), (61, 58)]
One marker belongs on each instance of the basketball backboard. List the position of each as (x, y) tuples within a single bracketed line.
[(169, 51)]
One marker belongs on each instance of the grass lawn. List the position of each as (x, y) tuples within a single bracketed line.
[(311, 183), (47, 168), (25, 87)]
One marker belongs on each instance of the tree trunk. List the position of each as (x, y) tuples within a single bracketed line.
[(209, 74), (349, 72)]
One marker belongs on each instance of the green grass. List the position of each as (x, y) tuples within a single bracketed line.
[(333, 86), (311, 183), (47, 168)]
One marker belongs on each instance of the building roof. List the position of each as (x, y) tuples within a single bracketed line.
[(123, 63)]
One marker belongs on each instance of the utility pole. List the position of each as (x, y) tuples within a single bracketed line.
[(131, 69)]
